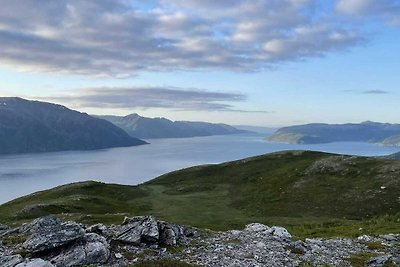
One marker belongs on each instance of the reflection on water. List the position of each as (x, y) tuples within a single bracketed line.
[(23, 174)]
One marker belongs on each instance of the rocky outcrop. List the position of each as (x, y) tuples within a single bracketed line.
[(35, 263), (3, 228), (51, 242), (10, 260), (91, 250), (50, 238), (142, 229), (170, 233)]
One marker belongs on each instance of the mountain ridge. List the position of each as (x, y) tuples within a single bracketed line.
[(315, 133), (28, 126), (160, 127)]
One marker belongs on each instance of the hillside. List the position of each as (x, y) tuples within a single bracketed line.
[(142, 127), (310, 193), (33, 126), (394, 156), (383, 133)]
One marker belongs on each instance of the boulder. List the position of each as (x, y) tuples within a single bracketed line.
[(379, 261), (3, 228), (137, 230), (40, 224), (190, 232), (364, 238), (10, 261), (391, 237), (54, 236), (35, 263), (99, 229), (280, 232), (94, 249), (256, 227), (169, 233), (298, 247)]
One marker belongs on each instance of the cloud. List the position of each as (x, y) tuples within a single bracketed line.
[(375, 92), (122, 38), (368, 92), (389, 10), (152, 97)]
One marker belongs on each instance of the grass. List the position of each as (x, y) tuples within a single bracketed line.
[(361, 258), (375, 246), (310, 193), (14, 239)]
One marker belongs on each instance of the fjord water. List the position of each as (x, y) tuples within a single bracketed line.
[(27, 173)]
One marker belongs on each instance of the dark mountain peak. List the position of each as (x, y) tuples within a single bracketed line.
[(33, 126), (133, 115)]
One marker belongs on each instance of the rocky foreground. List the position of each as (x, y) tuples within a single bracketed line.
[(48, 241)]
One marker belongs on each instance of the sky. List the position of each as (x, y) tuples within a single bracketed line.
[(247, 62)]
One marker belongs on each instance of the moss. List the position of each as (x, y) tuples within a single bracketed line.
[(14, 239), (361, 258), (375, 246)]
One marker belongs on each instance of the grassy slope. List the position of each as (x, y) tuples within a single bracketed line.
[(311, 193)]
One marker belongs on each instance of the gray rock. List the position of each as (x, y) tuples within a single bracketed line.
[(10, 261), (379, 261), (3, 228), (256, 227), (93, 250), (190, 232), (2, 249), (35, 263), (99, 229), (169, 233), (298, 247), (365, 238), (391, 237), (54, 236), (280, 232), (136, 230), (40, 224)]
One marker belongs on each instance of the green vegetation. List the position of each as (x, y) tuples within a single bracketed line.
[(14, 239), (375, 246), (310, 193), (361, 258)]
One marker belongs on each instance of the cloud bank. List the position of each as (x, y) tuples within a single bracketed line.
[(388, 10), (121, 37), (152, 97)]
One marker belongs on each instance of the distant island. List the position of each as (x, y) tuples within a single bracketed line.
[(316, 133), (149, 128), (32, 126)]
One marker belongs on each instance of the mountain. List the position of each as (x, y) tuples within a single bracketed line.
[(33, 126), (142, 127), (256, 129), (394, 156), (310, 193), (374, 132)]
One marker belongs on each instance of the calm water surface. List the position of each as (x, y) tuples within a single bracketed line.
[(24, 174)]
